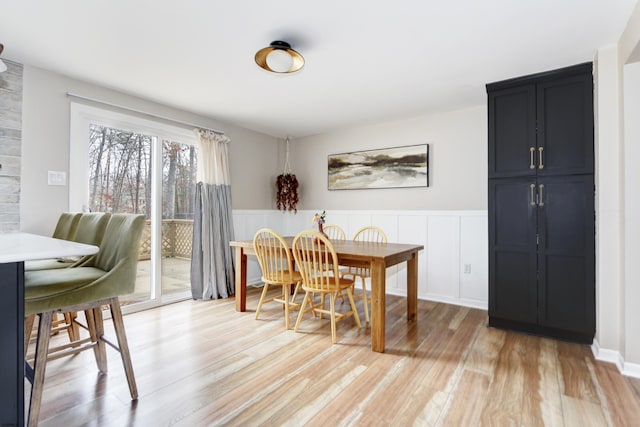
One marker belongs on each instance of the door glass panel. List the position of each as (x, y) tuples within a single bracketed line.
[(120, 182), (178, 186)]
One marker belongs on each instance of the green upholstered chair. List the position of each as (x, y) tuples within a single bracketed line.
[(110, 273), (65, 229), (88, 228), (66, 226)]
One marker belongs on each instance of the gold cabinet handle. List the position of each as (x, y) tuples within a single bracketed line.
[(532, 152), (540, 149), (532, 187), (541, 202)]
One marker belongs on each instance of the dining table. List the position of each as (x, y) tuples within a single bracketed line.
[(15, 249), (375, 256)]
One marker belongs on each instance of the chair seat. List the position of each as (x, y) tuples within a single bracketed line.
[(295, 275), (343, 282), (48, 264), (46, 290)]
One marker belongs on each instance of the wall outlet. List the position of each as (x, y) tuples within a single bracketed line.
[(467, 269)]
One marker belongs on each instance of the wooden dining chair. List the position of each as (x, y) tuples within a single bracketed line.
[(372, 234), (334, 231), (276, 263), (317, 260)]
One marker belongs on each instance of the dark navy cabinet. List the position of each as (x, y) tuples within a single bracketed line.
[(541, 204)]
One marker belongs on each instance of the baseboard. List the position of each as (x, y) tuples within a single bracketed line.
[(482, 305), (614, 356)]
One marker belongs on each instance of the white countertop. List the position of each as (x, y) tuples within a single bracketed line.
[(16, 247)]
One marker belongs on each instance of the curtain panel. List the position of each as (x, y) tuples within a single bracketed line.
[(212, 268)]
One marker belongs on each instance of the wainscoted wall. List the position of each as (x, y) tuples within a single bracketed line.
[(452, 268), (10, 146)]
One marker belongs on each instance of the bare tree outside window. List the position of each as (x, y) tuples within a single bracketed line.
[(179, 176), (120, 171)]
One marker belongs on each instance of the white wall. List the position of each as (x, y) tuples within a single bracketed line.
[(608, 147), (45, 147), (632, 210), (457, 163), (618, 202)]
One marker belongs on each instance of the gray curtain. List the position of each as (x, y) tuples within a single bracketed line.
[(212, 269)]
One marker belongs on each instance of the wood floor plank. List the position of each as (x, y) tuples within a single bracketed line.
[(507, 386), (412, 376), (622, 406), (582, 413), (484, 353), (548, 397), (576, 380), (202, 363), (468, 401)]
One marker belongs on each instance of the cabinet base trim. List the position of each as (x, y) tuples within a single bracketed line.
[(562, 334)]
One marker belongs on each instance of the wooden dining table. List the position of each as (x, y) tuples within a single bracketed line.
[(375, 256)]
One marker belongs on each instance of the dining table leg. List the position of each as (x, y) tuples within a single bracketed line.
[(241, 280), (412, 287), (378, 306)]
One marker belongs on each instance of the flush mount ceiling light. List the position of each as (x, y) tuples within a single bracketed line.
[(3, 66), (279, 58)]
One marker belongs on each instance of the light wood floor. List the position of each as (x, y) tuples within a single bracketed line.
[(203, 364)]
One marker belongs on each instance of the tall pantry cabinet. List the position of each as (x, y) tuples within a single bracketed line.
[(541, 204)]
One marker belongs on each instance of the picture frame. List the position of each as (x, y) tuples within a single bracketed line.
[(395, 167)]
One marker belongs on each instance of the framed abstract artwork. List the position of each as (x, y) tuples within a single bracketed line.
[(397, 167)]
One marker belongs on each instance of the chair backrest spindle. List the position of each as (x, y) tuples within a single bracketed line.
[(370, 233)]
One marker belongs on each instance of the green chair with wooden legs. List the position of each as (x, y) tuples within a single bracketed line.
[(66, 229), (99, 282), (89, 228)]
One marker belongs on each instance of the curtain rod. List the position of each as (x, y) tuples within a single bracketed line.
[(133, 110)]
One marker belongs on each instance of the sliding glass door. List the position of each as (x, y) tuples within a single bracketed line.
[(136, 166)]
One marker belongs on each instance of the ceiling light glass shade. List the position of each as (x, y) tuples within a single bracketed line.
[(279, 58)]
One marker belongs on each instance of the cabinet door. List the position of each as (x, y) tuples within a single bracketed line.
[(566, 253), (565, 126), (512, 249), (512, 131), (11, 347)]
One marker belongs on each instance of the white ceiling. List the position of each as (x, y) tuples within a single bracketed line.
[(366, 61)]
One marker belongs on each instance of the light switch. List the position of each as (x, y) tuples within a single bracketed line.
[(57, 178)]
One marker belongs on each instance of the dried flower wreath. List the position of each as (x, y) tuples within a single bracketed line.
[(287, 188)]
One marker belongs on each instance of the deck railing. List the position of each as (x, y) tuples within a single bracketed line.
[(177, 236)]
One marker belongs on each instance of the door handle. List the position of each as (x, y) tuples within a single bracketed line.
[(532, 152), (532, 187), (540, 149), (540, 188)]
